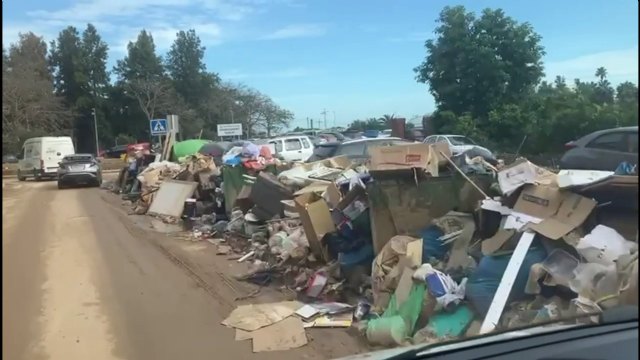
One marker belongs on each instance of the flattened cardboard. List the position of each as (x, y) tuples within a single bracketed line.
[(494, 243), (573, 211), (538, 201), (316, 221), (560, 211), (284, 335)]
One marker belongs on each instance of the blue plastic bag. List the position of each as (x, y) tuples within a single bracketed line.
[(625, 169), (484, 281), (431, 246)]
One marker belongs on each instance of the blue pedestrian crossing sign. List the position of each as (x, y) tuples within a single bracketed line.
[(158, 126)]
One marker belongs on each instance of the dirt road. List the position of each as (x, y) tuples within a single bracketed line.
[(81, 282)]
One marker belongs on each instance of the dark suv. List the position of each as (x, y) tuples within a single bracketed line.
[(602, 150)]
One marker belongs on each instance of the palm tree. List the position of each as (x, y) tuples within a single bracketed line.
[(601, 73), (385, 120)]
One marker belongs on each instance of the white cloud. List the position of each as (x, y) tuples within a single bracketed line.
[(621, 65), (297, 31)]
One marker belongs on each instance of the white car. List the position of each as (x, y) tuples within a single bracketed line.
[(458, 144), (293, 148)]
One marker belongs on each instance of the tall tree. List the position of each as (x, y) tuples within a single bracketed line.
[(141, 61), (67, 63), (141, 75), (80, 76), (95, 52), (29, 103), (186, 68), (475, 64)]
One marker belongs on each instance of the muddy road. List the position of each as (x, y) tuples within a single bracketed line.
[(81, 282)]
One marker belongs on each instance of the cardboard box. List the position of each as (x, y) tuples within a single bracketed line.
[(521, 173), (333, 195), (406, 157), (560, 211), (316, 221)]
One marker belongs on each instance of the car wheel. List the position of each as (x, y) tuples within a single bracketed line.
[(21, 177)]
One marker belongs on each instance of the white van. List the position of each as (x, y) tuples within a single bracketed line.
[(293, 148), (39, 157)]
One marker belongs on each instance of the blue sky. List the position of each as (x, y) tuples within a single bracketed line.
[(353, 58)]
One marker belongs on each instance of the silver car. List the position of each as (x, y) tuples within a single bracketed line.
[(79, 169), (459, 144)]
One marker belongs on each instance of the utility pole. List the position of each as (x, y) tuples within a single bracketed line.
[(324, 113), (95, 125)]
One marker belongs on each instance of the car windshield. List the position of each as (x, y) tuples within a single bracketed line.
[(460, 140)]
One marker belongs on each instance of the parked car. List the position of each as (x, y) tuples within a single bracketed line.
[(79, 169), (9, 159), (371, 133), (355, 150), (459, 144), (293, 148), (40, 156), (385, 133), (115, 152), (336, 135), (415, 134), (602, 150)]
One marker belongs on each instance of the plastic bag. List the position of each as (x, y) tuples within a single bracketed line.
[(441, 286), (484, 281), (397, 322)]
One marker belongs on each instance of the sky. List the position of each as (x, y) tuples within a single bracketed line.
[(353, 59)]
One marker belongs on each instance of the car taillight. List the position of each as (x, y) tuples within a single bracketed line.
[(570, 145)]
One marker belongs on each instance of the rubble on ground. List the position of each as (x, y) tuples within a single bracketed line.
[(418, 246)]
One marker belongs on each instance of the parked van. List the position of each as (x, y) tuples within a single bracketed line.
[(293, 148), (39, 157)]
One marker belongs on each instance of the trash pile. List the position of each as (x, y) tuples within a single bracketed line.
[(416, 246)]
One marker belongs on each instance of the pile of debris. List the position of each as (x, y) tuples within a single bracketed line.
[(417, 246)]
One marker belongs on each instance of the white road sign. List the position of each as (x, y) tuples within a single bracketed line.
[(229, 129)]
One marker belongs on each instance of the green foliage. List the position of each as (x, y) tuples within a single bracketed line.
[(476, 64), (484, 74), (57, 90)]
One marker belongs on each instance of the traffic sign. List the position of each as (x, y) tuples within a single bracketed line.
[(229, 129), (158, 126)]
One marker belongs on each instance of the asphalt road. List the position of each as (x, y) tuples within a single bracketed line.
[(78, 284)]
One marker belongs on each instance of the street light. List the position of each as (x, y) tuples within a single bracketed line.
[(95, 125)]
